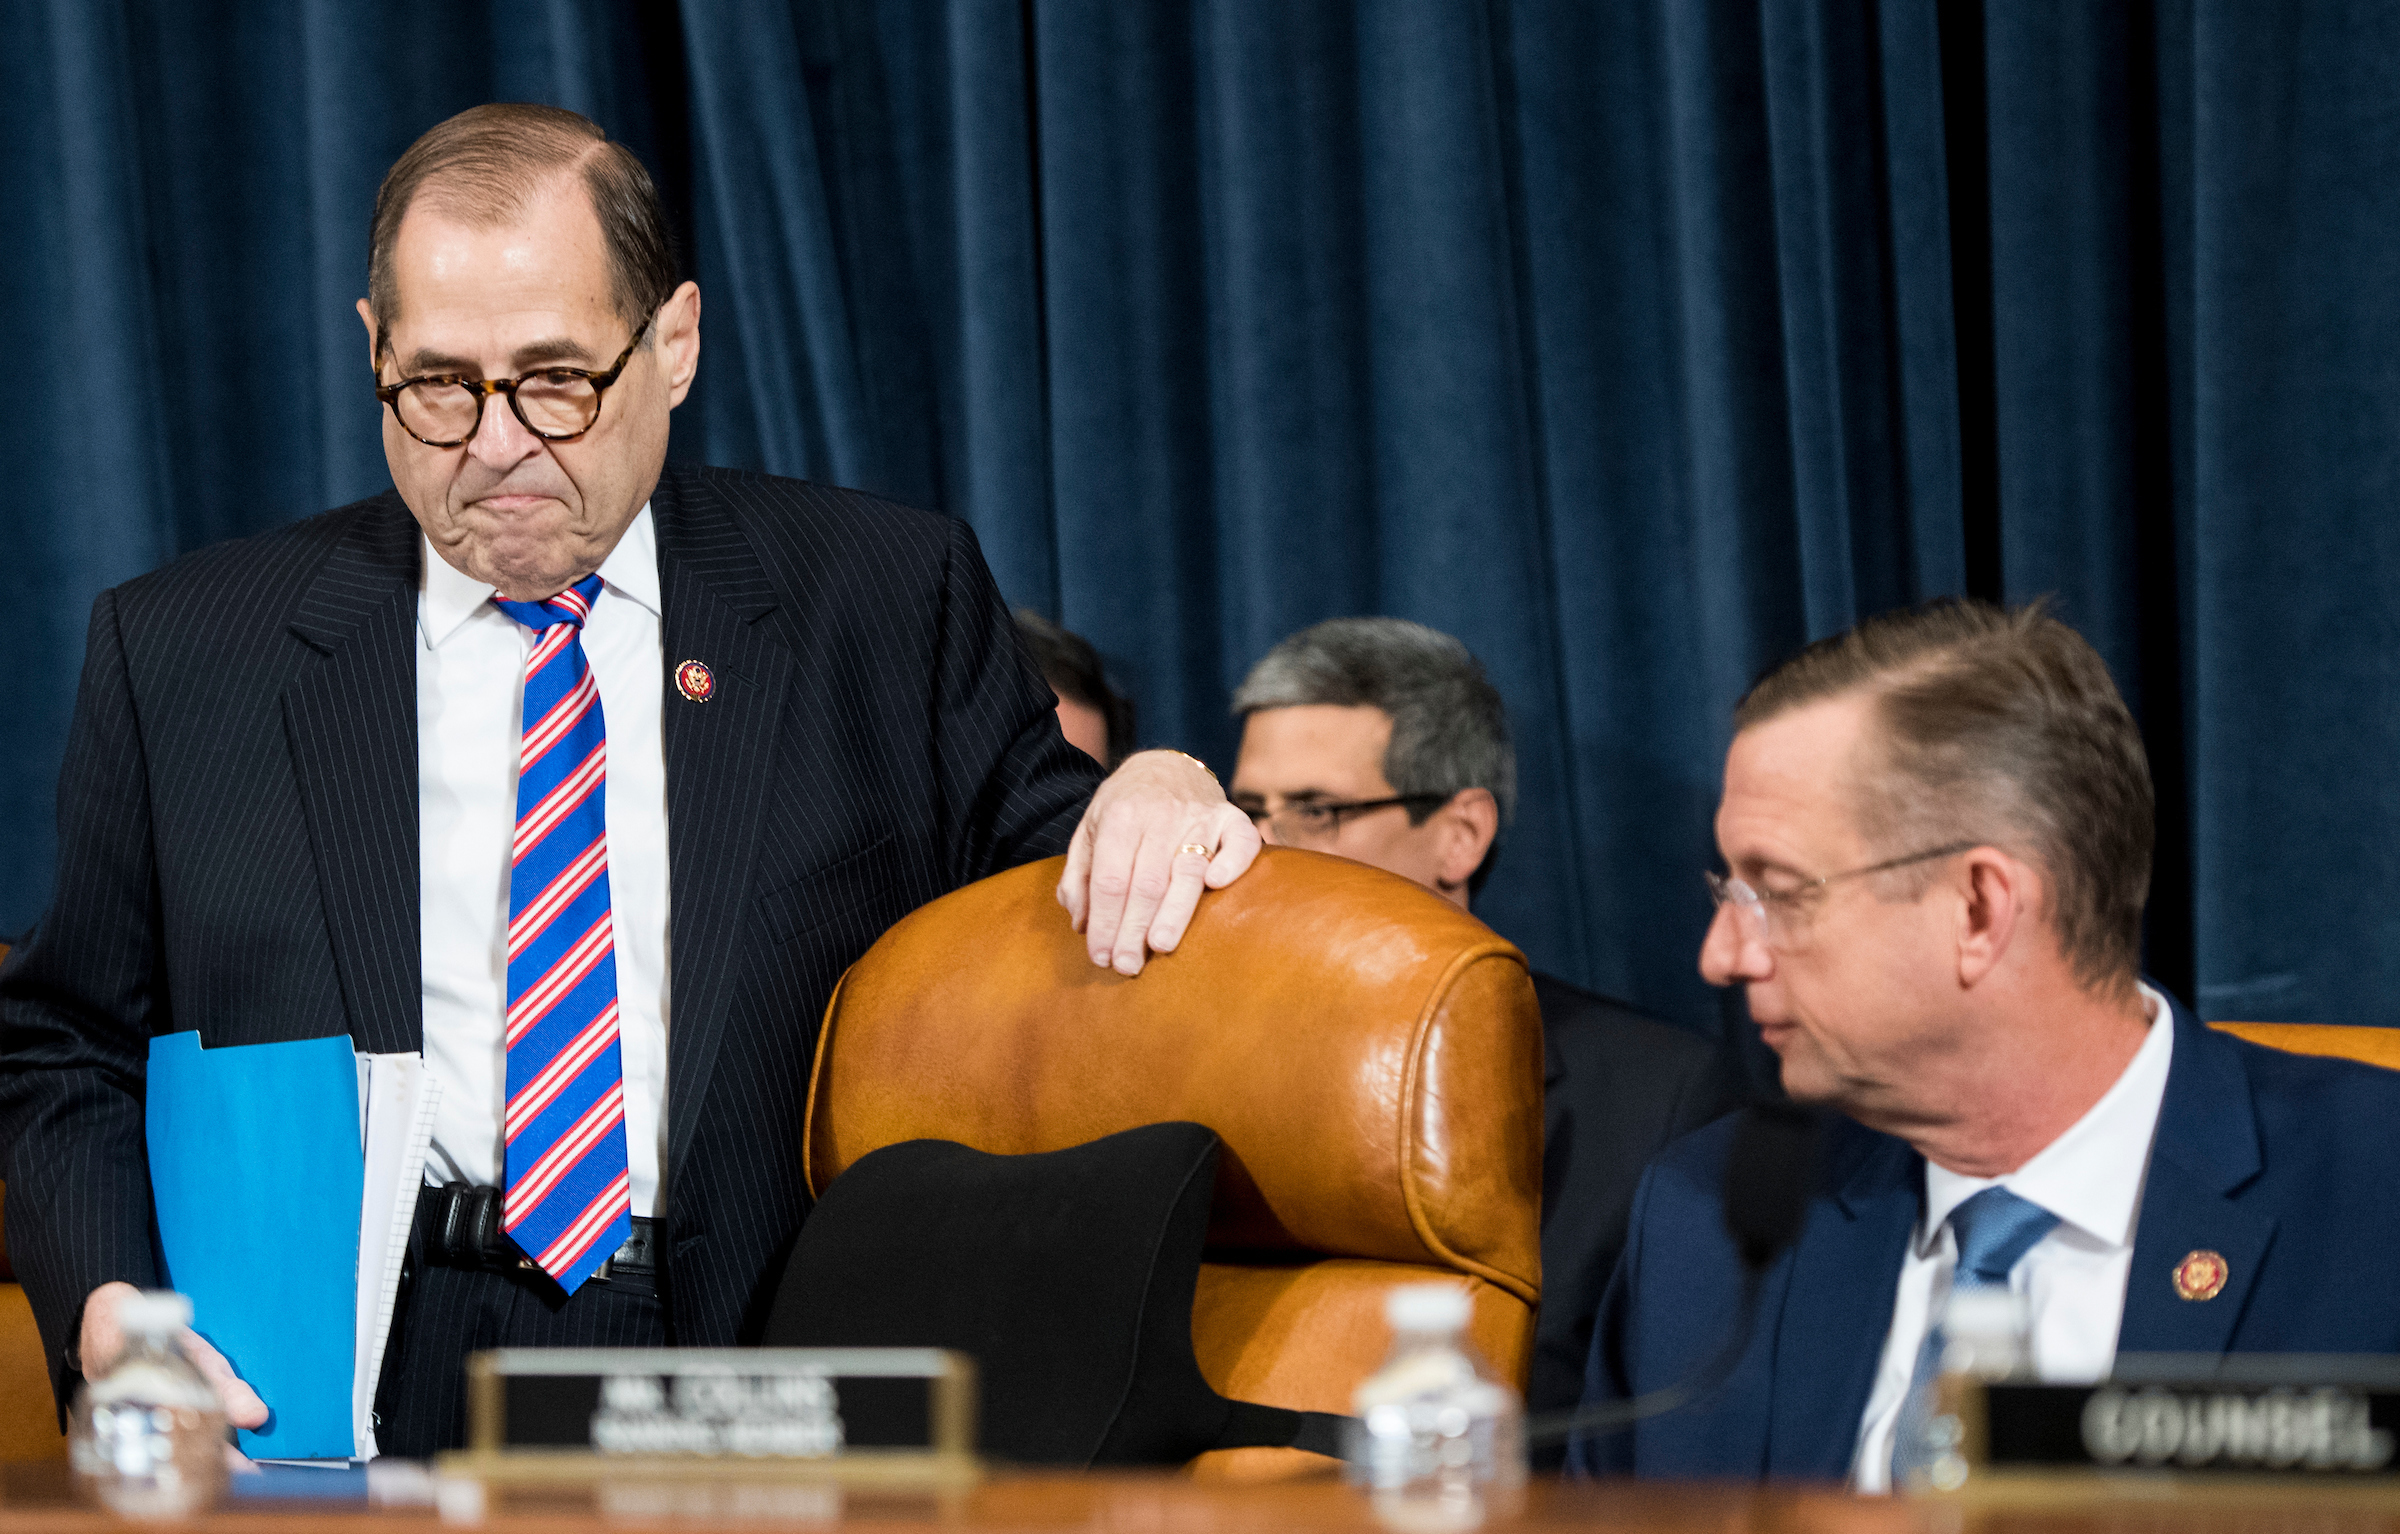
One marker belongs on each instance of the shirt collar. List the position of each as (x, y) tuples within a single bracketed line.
[(2090, 1176), (447, 597), (631, 568)]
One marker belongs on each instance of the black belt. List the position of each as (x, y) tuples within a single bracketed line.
[(458, 1226)]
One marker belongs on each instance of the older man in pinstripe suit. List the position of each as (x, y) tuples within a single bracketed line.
[(545, 750)]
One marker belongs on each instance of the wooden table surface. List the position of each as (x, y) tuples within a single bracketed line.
[(38, 1499)]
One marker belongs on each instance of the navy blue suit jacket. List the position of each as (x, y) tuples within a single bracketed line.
[(2286, 1165)]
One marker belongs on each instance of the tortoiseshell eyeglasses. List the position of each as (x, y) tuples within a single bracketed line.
[(556, 404)]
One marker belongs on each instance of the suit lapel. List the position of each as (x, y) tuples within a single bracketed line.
[(2204, 1155), (720, 757), (1837, 1308), (350, 719)]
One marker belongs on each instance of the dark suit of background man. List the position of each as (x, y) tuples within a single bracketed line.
[(1382, 740), (1939, 831), (1096, 719), (289, 797)]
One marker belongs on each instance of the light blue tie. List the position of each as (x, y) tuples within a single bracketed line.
[(1995, 1229)]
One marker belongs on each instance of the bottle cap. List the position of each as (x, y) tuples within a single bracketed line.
[(1426, 1308), (155, 1311)]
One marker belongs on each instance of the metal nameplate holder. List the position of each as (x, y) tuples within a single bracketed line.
[(897, 1418)]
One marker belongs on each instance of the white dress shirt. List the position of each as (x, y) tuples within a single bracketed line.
[(2073, 1279), (470, 703)]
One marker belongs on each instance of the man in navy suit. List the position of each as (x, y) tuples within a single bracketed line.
[(1938, 828), (291, 802)]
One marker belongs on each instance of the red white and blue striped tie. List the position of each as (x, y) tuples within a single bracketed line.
[(567, 1204)]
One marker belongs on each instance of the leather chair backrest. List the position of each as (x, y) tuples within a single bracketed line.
[(1370, 1055), (2347, 1041)]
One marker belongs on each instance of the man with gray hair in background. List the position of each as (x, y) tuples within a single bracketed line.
[(1382, 740)]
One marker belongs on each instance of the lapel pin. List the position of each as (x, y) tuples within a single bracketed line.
[(2201, 1276), (695, 681)]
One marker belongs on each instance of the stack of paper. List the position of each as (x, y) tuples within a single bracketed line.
[(399, 1097)]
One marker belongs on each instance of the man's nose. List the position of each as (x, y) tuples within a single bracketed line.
[(500, 439), (1730, 952), (1266, 830)]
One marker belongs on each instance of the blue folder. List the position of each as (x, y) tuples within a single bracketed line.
[(257, 1175)]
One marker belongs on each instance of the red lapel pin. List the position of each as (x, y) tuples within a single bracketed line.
[(2201, 1276)]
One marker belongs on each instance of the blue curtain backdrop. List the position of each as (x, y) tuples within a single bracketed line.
[(1635, 344)]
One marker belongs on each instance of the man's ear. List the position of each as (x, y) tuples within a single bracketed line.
[(679, 341), (366, 314), (2002, 903), (1467, 825)]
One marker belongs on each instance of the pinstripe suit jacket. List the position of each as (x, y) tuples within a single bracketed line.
[(238, 842)]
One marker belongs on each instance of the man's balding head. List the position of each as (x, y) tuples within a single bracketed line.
[(486, 165)]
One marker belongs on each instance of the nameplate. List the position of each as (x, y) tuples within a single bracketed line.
[(717, 1404), (2303, 1417)]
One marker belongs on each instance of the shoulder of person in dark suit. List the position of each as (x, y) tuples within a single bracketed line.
[(1618, 1085), (886, 607), (893, 615)]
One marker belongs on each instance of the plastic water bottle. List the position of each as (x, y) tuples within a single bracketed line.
[(1985, 1334), (1438, 1442), (149, 1437)]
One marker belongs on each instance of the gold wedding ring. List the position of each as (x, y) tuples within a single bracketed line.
[(1196, 850)]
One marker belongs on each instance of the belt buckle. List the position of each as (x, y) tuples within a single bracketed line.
[(600, 1274)]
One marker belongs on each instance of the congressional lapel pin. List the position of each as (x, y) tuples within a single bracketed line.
[(2201, 1276), (695, 681)]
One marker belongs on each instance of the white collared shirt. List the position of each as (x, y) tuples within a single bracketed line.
[(470, 702), (2073, 1279)]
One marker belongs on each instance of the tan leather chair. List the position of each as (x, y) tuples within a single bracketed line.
[(1370, 1055), (28, 1419), (2375, 1046)]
